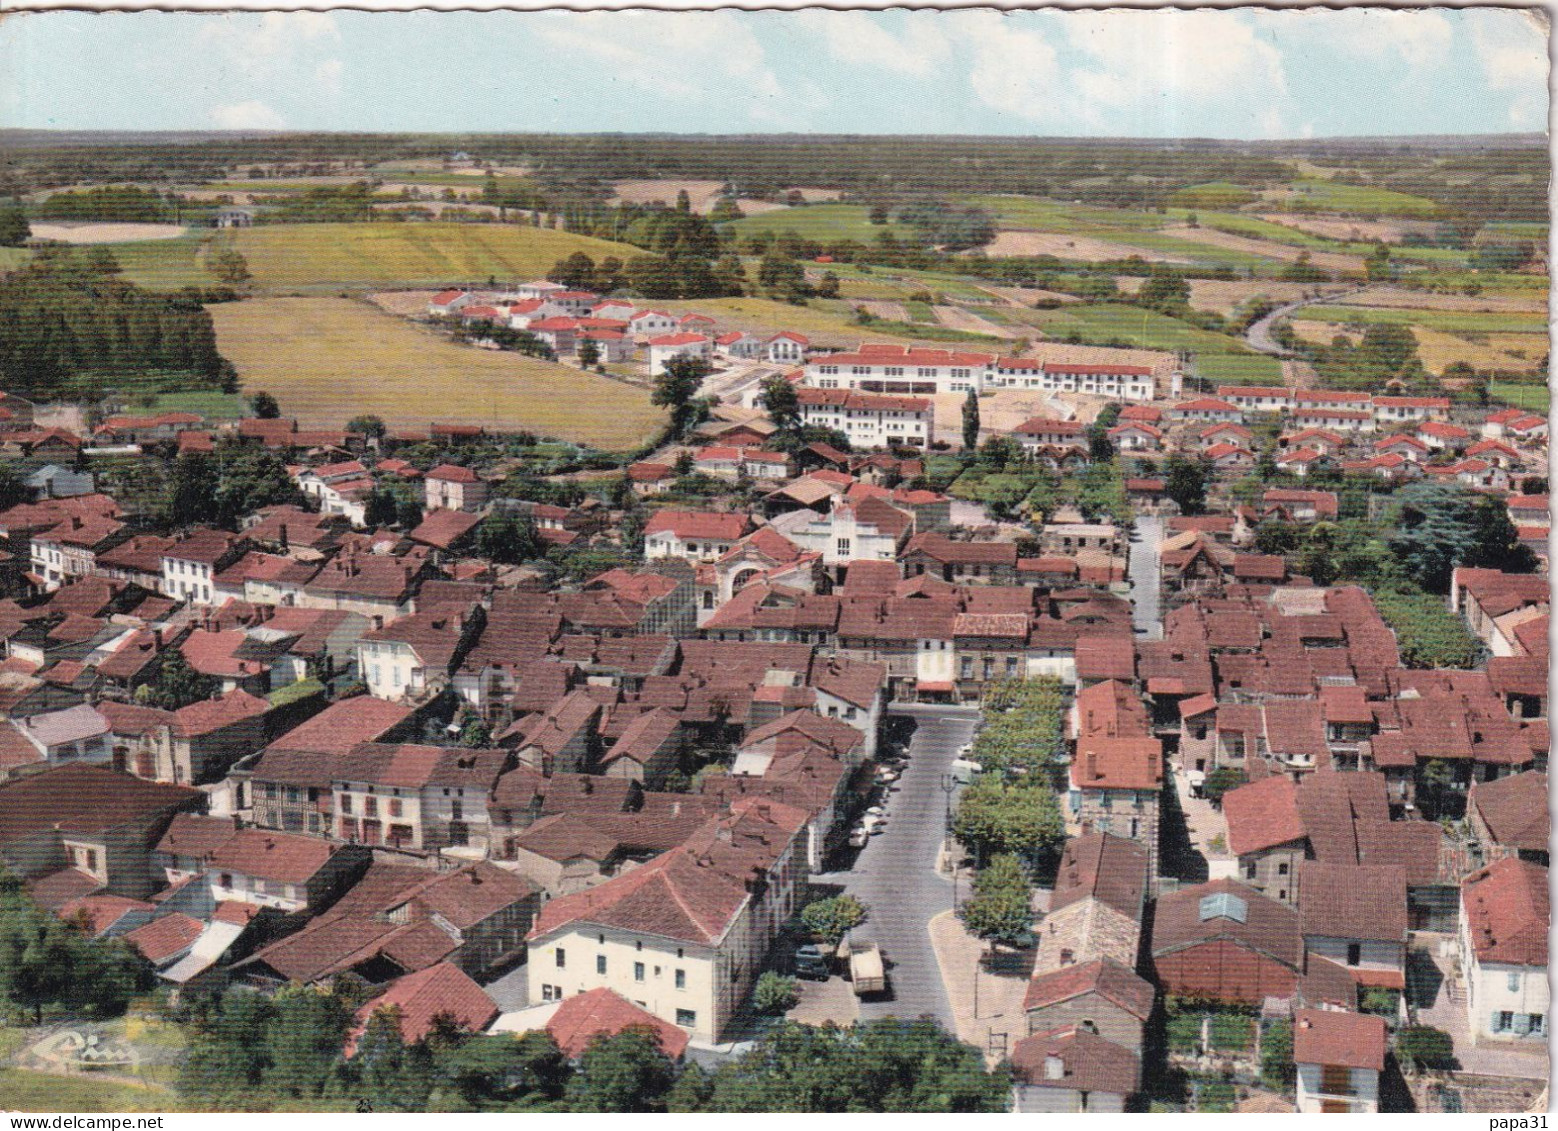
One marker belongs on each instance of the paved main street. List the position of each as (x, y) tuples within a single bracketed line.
[(1142, 569), (895, 874)]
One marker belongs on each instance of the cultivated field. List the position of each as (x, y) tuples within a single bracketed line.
[(1269, 249), (1350, 231), (299, 257), (702, 196), (1220, 296), (88, 231), (1439, 349), (330, 359), (824, 223), (1534, 303), (1062, 246)]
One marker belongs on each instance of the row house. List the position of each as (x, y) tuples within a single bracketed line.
[(869, 420), (190, 565), (413, 657), (978, 563), (698, 536), (282, 871), (454, 488), (900, 370), (666, 348), (64, 553), (422, 798), (732, 463)]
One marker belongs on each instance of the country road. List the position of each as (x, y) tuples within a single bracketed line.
[(1258, 336)]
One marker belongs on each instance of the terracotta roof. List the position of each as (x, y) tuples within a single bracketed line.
[(443, 527), (1101, 866), (166, 938), (440, 993), (54, 890), (1505, 909), (453, 473), (1104, 976), (1353, 901), (1345, 1040), (192, 834), (287, 858), (100, 912), (725, 527), (343, 725), (1514, 809), (1076, 1059), (603, 1012), (210, 715), (81, 798), (1227, 909)]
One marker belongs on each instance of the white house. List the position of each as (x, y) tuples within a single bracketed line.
[(884, 368), (868, 530), (445, 303), (1503, 942), (785, 348), (1339, 1057), (667, 347), (869, 420), (1257, 398), (739, 344), (652, 323), (699, 536)]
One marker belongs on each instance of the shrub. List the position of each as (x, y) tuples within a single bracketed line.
[(775, 994)]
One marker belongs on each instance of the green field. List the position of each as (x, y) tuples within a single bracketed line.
[(1109, 323), (301, 257), (1239, 368), (1214, 194), (1360, 200), (209, 403), (824, 223), (330, 359), (1451, 321), (1044, 215), (1534, 397)]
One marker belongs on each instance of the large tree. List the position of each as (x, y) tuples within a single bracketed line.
[(1443, 525), (1001, 907), (676, 389), (1022, 818), (971, 421), (623, 1072), (783, 405), (1185, 483)]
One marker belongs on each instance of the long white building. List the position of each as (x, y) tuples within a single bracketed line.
[(912, 371)]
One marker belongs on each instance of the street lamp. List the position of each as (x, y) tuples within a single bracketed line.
[(949, 786)]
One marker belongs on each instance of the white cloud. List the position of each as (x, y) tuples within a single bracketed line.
[(685, 55), (329, 73), (251, 115), (1421, 39), (1123, 71), (860, 39), (1512, 48), (252, 42)]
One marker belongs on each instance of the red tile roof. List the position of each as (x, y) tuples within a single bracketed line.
[(1085, 1061), (725, 527), (166, 938), (1106, 977), (1505, 908), (440, 992), (603, 1012), (1344, 1040), (287, 858), (1354, 901), (210, 715), (1262, 815)]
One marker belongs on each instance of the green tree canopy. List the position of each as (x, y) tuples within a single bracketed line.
[(831, 919), (1000, 909)]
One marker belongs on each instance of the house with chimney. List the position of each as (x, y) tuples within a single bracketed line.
[(414, 657), (284, 871), (415, 797), (1338, 1058)]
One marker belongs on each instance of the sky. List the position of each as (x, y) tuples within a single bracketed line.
[(1246, 73)]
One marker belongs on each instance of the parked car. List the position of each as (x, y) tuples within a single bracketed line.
[(814, 961), (858, 836)]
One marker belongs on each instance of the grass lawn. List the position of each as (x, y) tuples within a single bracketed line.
[(12, 257), (294, 257), (1452, 321), (824, 223), (1534, 397), (21, 1090), (329, 359)]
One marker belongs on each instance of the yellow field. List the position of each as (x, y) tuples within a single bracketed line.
[(1439, 349), (359, 256), (330, 359)]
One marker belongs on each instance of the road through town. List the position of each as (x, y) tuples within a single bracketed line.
[(895, 874)]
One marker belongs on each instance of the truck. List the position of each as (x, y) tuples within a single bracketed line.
[(964, 769), (867, 973)]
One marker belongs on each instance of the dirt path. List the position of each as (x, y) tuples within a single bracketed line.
[(956, 318)]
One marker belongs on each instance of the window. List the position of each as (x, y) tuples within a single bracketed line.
[(843, 545), (600, 963), (561, 956), (1282, 869), (1538, 1024), (226, 879), (1354, 953), (346, 803), (1514, 983), (1503, 1021), (638, 971), (686, 1018), (394, 807), (681, 979), (1249, 870)]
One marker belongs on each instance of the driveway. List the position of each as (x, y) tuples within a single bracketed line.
[(895, 874), (1142, 569)]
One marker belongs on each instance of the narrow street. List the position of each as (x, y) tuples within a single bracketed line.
[(1142, 569), (895, 875)]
